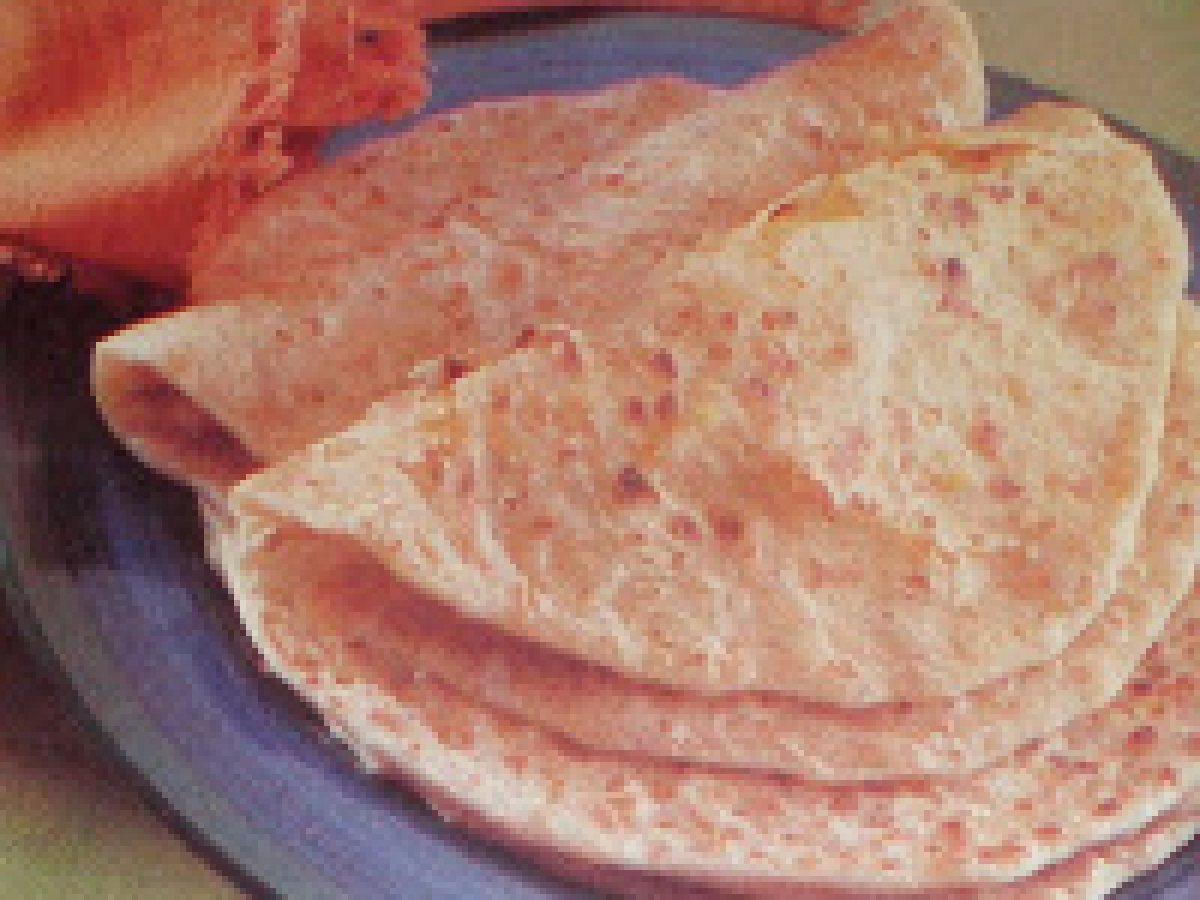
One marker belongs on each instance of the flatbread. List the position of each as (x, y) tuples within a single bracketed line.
[(1103, 776), (638, 498), (323, 225), (311, 234), (1092, 874), (210, 393), (1099, 871), (388, 623)]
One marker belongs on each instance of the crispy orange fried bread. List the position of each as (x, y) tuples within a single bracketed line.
[(126, 122)]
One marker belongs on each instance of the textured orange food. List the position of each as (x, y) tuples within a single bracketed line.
[(125, 122)]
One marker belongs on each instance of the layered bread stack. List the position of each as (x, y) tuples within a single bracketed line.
[(786, 491)]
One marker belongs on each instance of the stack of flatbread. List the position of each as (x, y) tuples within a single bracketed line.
[(783, 491)]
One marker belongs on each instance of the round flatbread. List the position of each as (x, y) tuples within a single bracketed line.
[(866, 450)]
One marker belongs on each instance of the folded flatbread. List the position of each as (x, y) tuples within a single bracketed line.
[(401, 188), (768, 479), (315, 232), (211, 393), (1101, 777), (388, 623)]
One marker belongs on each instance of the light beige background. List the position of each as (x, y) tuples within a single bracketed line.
[(1137, 59), (69, 824)]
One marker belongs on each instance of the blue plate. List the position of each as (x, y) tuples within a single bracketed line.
[(105, 562)]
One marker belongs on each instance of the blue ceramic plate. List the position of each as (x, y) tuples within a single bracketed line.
[(105, 559)]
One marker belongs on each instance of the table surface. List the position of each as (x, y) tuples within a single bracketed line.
[(72, 824)]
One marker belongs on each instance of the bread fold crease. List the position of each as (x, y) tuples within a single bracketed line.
[(298, 294), (790, 471)]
